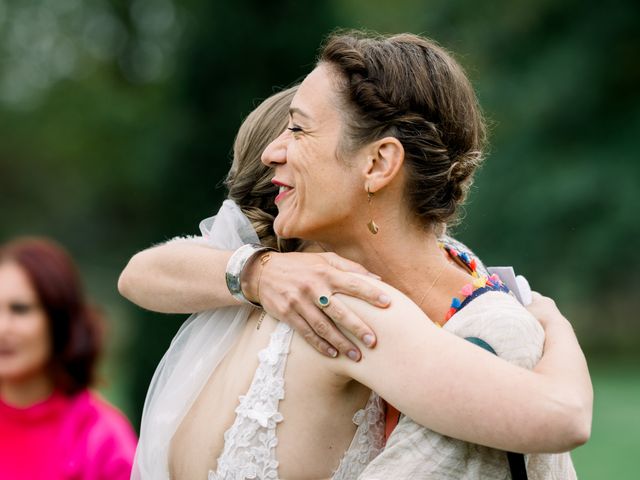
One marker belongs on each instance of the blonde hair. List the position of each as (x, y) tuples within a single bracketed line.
[(249, 180)]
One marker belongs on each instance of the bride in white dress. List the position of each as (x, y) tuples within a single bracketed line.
[(219, 392)]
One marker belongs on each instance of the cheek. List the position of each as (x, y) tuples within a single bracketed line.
[(41, 351), (35, 346)]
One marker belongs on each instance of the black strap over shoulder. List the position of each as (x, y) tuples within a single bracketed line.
[(517, 466), (516, 460)]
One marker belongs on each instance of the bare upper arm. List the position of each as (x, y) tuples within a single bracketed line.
[(451, 386)]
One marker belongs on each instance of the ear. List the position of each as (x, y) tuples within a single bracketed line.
[(384, 161)]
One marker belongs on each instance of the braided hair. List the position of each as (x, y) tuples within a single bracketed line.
[(407, 87)]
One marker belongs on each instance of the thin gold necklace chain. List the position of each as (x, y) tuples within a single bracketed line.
[(433, 284)]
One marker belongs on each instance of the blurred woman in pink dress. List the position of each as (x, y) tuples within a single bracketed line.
[(51, 425)]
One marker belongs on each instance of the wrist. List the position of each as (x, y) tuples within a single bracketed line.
[(236, 271), (250, 277)]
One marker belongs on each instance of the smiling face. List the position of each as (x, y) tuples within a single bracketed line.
[(25, 345), (320, 194)]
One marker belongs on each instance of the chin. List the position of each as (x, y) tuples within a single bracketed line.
[(284, 234), (284, 229), (11, 374)]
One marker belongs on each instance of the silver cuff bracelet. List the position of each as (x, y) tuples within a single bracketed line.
[(236, 265)]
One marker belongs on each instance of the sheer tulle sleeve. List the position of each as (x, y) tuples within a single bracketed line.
[(194, 353)]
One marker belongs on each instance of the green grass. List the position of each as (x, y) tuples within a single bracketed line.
[(614, 448)]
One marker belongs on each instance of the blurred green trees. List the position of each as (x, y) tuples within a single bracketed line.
[(117, 118)]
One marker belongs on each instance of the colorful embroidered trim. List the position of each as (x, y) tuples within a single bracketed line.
[(479, 285)]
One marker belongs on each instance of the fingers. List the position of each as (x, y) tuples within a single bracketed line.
[(538, 300), (357, 287), (343, 316), (323, 327), (291, 294), (303, 328), (544, 309), (535, 297)]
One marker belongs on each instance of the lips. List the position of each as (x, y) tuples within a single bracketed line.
[(283, 189)]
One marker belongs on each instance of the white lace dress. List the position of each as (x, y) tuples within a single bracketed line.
[(250, 443), (197, 349)]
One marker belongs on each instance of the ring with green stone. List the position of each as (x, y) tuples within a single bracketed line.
[(324, 301)]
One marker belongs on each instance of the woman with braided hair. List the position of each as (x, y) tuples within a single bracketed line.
[(382, 142)]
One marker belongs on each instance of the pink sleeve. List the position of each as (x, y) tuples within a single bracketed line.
[(111, 444)]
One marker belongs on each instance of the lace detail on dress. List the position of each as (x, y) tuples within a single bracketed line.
[(250, 443), (367, 443)]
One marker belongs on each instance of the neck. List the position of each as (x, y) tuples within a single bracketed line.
[(407, 257), (26, 392)]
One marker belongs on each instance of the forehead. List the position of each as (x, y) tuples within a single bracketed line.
[(14, 281), (316, 96)]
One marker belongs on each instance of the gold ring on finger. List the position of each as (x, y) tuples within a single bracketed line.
[(324, 301)]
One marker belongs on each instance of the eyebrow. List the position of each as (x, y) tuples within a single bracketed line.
[(293, 110)]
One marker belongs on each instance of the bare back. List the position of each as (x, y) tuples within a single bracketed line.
[(317, 410)]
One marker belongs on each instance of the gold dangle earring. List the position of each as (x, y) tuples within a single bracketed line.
[(373, 228)]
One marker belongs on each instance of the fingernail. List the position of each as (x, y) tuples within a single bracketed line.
[(377, 277), (384, 299), (332, 352), (368, 339), (353, 355)]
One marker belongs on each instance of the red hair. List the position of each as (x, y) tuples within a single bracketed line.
[(74, 325)]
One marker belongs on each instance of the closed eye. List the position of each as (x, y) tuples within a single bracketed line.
[(295, 129)]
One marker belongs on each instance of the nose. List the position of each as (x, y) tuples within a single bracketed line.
[(4, 319), (276, 151)]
